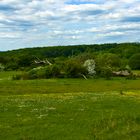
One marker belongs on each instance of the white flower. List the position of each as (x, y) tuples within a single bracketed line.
[(90, 65)]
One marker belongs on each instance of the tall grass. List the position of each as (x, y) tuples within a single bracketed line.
[(69, 109), (66, 86), (82, 116)]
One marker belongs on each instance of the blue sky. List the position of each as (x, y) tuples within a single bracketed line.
[(33, 23)]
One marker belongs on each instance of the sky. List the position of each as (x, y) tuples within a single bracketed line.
[(35, 23)]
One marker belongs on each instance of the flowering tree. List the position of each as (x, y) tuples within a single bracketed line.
[(90, 66)]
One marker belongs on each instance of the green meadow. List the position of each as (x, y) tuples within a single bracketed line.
[(69, 109)]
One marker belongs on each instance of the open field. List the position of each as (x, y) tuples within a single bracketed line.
[(69, 109), (22, 87), (137, 72)]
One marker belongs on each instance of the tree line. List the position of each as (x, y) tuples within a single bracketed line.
[(69, 61)]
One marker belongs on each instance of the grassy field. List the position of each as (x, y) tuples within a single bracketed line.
[(137, 72), (69, 109)]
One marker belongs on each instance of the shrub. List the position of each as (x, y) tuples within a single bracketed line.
[(74, 70), (134, 61), (108, 60), (106, 72), (23, 76), (11, 66), (17, 77), (52, 71)]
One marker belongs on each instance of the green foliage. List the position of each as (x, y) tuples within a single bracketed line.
[(106, 63), (106, 72), (108, 59), (68, 61), (50, 71), (11, 66), (1, 67), (17, 77), (81, 58), (134, 61), (74, 69), (32, 74), (4, 59), (53, 71), (25, 57)]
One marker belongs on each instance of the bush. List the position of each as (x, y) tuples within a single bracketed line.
[(108, 60), (106, 72), (11, 66), (32, 74), (23, 76), (51, 71), (134, 61), (17, 77), (73, 69)]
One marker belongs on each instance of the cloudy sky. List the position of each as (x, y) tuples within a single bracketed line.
[(32, 23)]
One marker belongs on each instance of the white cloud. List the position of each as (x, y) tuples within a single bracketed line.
[(9, 35), (68, 19)]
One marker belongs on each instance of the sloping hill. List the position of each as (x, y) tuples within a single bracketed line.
[(16, 57)]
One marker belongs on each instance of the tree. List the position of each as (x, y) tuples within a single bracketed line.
[(90, 66), (106, 63), (25, 60), (106, 72), (74, 69), (109, 59), (52, 71), (134, 61)]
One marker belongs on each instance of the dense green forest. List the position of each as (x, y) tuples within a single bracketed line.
[(72, 61)]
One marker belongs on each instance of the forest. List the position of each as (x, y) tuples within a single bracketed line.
[(87, 61)]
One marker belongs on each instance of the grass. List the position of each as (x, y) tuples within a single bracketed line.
[(69, 109), (137, 72), (9, 87), (7, 75)]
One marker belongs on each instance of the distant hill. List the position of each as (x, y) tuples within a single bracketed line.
[(27, 55), (57, 51)]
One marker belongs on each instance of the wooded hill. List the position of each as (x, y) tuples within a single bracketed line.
[(16, 59)]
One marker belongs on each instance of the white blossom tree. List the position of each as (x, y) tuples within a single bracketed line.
[(90, 65)]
